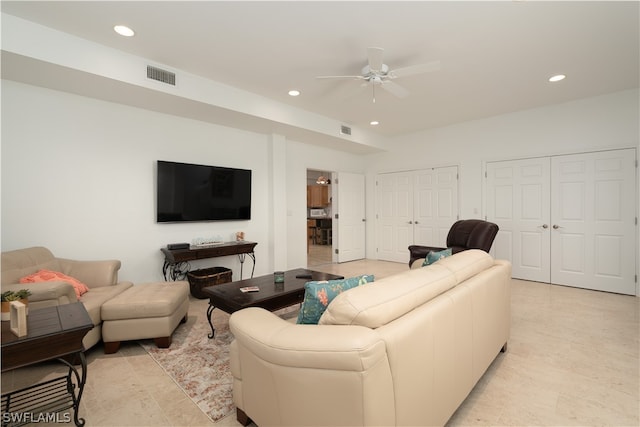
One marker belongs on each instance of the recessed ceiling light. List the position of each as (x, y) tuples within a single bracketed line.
[(124, 30), (294, 92), (557, 78), (374, 123)]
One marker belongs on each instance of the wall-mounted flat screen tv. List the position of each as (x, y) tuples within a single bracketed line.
[(188, 192)]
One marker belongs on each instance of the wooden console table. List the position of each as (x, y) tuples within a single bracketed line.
[(52, 333), (176, 261)]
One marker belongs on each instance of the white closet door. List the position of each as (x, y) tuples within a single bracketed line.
[(435, 205), (593, 221), (518, 197), (394, 216), (415, 208), (568, 220), (351, 216)]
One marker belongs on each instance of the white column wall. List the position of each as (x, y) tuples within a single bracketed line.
[(301, 157), (278, 201)]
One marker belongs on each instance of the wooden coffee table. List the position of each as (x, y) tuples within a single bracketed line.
[(271, 296)]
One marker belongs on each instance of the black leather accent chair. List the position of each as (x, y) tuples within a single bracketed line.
[(464, 234)]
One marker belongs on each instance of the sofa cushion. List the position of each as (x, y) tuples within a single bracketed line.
[(434, 256), (318, 295), (145, 301), (389, 298), (55, 276), (96, 297), (467, 263), (21, 262)]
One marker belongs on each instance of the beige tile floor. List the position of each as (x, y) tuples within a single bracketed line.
[(318, 255), (573, 360)]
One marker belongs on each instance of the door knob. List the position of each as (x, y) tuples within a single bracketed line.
[(410, 222), (545, 226), (416, 222), (556, 226)]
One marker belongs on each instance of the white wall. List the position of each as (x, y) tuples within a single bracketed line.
[(78, 173), (78, 176), (605, 122)]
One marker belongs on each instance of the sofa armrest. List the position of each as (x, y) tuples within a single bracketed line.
[(92, 273), (288, 374), (277, 341), (44, 294)]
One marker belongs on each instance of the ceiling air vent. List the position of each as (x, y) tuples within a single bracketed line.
[(345, 130), (161, 75)]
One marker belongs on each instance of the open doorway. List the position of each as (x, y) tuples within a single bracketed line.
[(319, 218)]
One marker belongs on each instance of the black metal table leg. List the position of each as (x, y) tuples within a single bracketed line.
[(167, 269), (241, 257), (209, 311), (80, 381), (253, 257)]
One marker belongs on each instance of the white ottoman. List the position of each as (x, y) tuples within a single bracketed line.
[(150, 310)]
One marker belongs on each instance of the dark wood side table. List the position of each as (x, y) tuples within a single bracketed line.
[(52, 333), (174, 257)]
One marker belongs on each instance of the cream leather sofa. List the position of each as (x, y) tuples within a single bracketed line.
[(404, 350), (100, 276)]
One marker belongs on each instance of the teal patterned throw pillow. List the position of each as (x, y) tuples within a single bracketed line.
[(318, 295), (434, 256)]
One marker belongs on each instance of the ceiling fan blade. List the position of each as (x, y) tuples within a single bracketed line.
[(340, 77), (375, 58), (341, 90), (395, 89), (415, 69)]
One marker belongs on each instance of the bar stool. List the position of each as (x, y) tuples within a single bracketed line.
[(323, 232)]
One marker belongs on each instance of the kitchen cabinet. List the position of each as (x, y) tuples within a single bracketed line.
[(317, 196)]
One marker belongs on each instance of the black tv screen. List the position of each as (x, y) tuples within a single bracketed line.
[(188, 192)]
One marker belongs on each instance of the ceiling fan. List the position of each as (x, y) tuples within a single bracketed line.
[(377, 73)]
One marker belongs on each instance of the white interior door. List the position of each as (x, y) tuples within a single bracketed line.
[(394, 216), (351, 216), (518, 198), (435, 205), (593, 221)]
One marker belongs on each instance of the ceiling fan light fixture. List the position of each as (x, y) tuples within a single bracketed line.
[(123, 30), (377, 73), (557, 78), (294, 92)]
